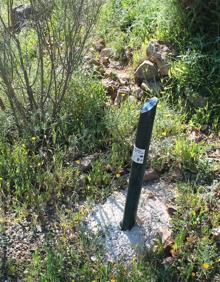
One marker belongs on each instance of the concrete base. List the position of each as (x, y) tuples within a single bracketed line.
[(152, 220)]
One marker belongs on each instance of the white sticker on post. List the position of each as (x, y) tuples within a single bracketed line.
[(138, 155)]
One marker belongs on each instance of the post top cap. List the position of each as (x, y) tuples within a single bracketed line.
[(149, 105)]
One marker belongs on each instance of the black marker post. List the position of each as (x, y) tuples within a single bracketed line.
[(139, 157)]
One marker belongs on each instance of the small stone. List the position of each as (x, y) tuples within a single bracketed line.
[(123, 78), (171, 211), (145, 87), (39, 228), (137, 92), (168, 261), (93, 258), (111, 88), (122, 94), (216, 232), (99, 45), (151, 175), (93, 61), (86, 162), (108, 52), (105, 61), (129, 54)]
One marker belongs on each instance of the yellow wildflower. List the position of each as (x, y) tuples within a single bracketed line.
[(117, 175), (34, 138), (193, 274), (78, 162), (205, 265), (189, 239), (113, 280)]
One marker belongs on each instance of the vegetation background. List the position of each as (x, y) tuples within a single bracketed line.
[(53, 113)]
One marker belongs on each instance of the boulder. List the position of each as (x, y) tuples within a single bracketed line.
[(147, 71)]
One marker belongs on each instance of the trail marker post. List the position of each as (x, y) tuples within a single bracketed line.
[(139, 157)]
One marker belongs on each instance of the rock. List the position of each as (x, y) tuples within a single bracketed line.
[(171, 210), (163, 68), (93, 61), (129, 54), (116, 65), (137, 92), (159, 53), (122, 94), (87, 58), (111, 88), (105, 61), (151, 86), (123, 78), (168, 261), (145, 87), (151, 175), (86, 162), (108, 52), (216, 232), (99, 45), (147, 71), (20, 15), (38, 228), (109, 73)]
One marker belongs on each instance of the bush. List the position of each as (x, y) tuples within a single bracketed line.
[(37, 61)]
